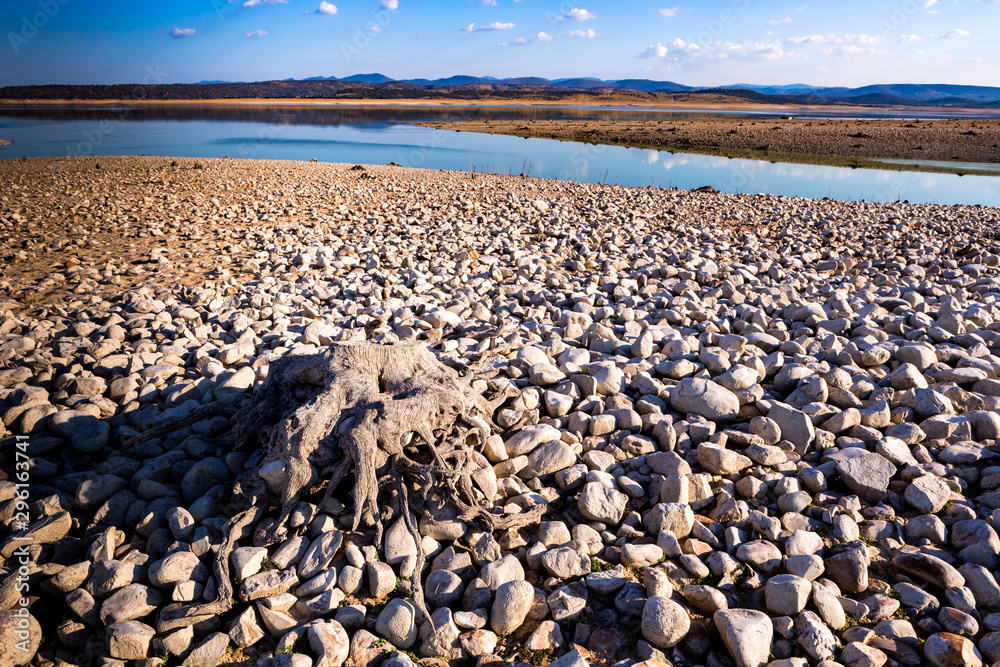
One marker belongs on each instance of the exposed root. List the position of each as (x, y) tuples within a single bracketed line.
[(382, 413)]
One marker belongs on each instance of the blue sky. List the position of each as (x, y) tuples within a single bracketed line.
[(703, 42)]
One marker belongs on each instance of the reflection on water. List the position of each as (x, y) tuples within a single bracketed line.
[(378, 135), (344, 114), (941, 163)]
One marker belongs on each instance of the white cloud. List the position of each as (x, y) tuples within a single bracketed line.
[(585, 34), (469, 28), (578, 14), (391, 5), (374, 28), (669, 12), (787, 19), (831, 38), (254, 3), (179, 33), (257, 33), (679, 50), (849, 50), (957, 32), (326, 8), (540, 37), (490, 3), (496, 25), (909, 39), (930, 3), (654, 51)]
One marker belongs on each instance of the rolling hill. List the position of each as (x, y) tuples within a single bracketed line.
[(379, 86)]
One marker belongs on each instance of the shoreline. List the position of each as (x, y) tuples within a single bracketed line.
[(25, 275), (825, 142), (708, 107)]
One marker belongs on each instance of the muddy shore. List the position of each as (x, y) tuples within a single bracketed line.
[(835, 142)]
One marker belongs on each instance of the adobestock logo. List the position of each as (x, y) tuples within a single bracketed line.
[(33, 24), (362, 37)]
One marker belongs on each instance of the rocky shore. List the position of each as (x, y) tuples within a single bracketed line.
[(762, 430), (966, 140)]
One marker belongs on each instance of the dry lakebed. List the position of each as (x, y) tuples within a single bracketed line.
[(674, 428)]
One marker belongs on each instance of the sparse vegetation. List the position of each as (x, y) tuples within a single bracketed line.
[(539, 658), (598, 565)]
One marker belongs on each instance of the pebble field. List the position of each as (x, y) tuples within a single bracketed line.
[(764, 429)]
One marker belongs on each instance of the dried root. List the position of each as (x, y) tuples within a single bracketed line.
[(406, 427)]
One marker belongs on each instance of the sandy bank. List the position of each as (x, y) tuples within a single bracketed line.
[(848, 142)]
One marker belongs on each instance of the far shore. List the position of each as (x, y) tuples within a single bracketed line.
[(955, 145), (565, 102)]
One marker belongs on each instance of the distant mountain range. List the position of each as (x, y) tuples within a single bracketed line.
[(380, 86), (644, 85), (904, 91)]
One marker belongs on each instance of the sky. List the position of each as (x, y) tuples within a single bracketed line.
[(693, 42)]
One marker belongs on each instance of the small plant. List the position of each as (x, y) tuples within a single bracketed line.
[(295, 647), (598, 565), (538, 658)]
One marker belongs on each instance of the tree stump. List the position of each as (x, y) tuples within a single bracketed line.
[(407, 428)]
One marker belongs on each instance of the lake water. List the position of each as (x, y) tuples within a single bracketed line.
[(378, 135)]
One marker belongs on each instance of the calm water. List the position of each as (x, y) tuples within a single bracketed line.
[(379, 135)]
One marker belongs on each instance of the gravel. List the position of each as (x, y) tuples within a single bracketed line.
[(764, 430)]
